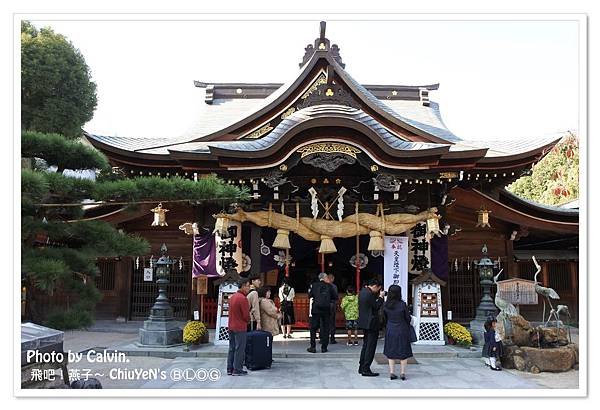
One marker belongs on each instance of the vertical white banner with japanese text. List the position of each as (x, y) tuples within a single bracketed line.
[(229, 249), (395, 263)]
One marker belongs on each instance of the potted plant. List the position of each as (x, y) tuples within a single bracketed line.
[(194, 333), (457, 334)]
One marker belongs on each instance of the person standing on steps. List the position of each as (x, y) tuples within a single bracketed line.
[(239, 316), (322, 294), (330, 280), (397, 332), (370, 300), (286, 300), (252, 296)]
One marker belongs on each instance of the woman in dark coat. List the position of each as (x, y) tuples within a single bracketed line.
[(397, 334)]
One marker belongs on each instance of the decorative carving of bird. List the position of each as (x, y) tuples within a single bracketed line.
[(565, 310), (541, 290), (506, 308)]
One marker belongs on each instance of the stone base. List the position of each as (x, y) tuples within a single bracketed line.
[(534, 360), (163, 338), (477, 330)]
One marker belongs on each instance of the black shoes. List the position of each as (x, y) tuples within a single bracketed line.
[(240, 373), (311, 350), (402, 377), (393, 376), (495, 368), (323, 349), (370, 374), (332, 342)]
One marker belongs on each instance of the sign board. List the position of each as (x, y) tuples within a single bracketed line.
[(202, 285), (429, 323), (271, 277), (518, 291), (395, 263), (147, 274)]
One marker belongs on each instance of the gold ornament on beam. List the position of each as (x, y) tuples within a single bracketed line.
[(159, 216), (483, 216)]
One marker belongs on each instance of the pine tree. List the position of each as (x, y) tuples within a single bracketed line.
[(59, 247)]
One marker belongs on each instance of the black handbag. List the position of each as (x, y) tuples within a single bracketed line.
[(412, 334)]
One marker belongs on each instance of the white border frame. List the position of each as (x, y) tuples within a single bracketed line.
[(364, 16)]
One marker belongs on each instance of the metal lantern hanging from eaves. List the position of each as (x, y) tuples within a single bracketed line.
[(483, 218)]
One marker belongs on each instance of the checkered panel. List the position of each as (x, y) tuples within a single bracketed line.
[(429, 331), (223, 333)]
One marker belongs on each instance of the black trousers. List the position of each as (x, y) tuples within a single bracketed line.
[(367, 353), (332, 320), (320, 320)]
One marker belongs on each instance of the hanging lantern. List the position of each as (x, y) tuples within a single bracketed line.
[(221, 226), (282, 240), (159, 216), (483, 216), (327, 245)]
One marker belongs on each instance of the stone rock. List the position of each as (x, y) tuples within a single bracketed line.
[(559, 359), (536, 360), (521, 330), (519, 363), (549, 337)]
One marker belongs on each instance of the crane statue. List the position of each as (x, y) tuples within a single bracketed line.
[(507, 309), (564, 309), (548, 293)]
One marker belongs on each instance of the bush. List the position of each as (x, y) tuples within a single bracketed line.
[(70, 319), (459, 333), (193, 332)]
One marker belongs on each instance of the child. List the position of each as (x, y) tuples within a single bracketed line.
[(350, 307), (492, 348)]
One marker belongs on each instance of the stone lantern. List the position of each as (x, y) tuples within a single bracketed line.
[(161, 329), (486, 308)]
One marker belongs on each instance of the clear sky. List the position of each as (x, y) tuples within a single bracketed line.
[(498, 79)]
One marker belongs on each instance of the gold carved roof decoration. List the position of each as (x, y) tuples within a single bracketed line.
[(260, 132), (328, 148), (321, 79)]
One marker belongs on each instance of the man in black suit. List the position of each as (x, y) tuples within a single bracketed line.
[(370, 300)]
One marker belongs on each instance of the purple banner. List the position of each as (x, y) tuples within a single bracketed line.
[(439, 256), (205, 255)]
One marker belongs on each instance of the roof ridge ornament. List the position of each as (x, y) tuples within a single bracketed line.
[(322, 44)]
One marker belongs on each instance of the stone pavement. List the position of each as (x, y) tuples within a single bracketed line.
[(439, 367)]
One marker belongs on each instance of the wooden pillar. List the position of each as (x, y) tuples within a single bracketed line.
[(545, 277), (255, 255), (511, 266), (574, 284)]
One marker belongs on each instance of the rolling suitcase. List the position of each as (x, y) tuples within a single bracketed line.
[(259, 350)]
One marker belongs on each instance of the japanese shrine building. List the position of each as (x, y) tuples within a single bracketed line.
[(324, 130)]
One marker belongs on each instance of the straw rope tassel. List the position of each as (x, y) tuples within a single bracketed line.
[(376, 240), (282, 240)]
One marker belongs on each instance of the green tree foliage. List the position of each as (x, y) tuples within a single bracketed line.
[(71, 266), (56, 150), (59, 247), (555, 179), (57, 94)]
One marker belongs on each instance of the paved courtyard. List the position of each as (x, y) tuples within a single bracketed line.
[(439, 367)]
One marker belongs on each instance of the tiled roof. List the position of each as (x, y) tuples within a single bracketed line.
[(329, 110)]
